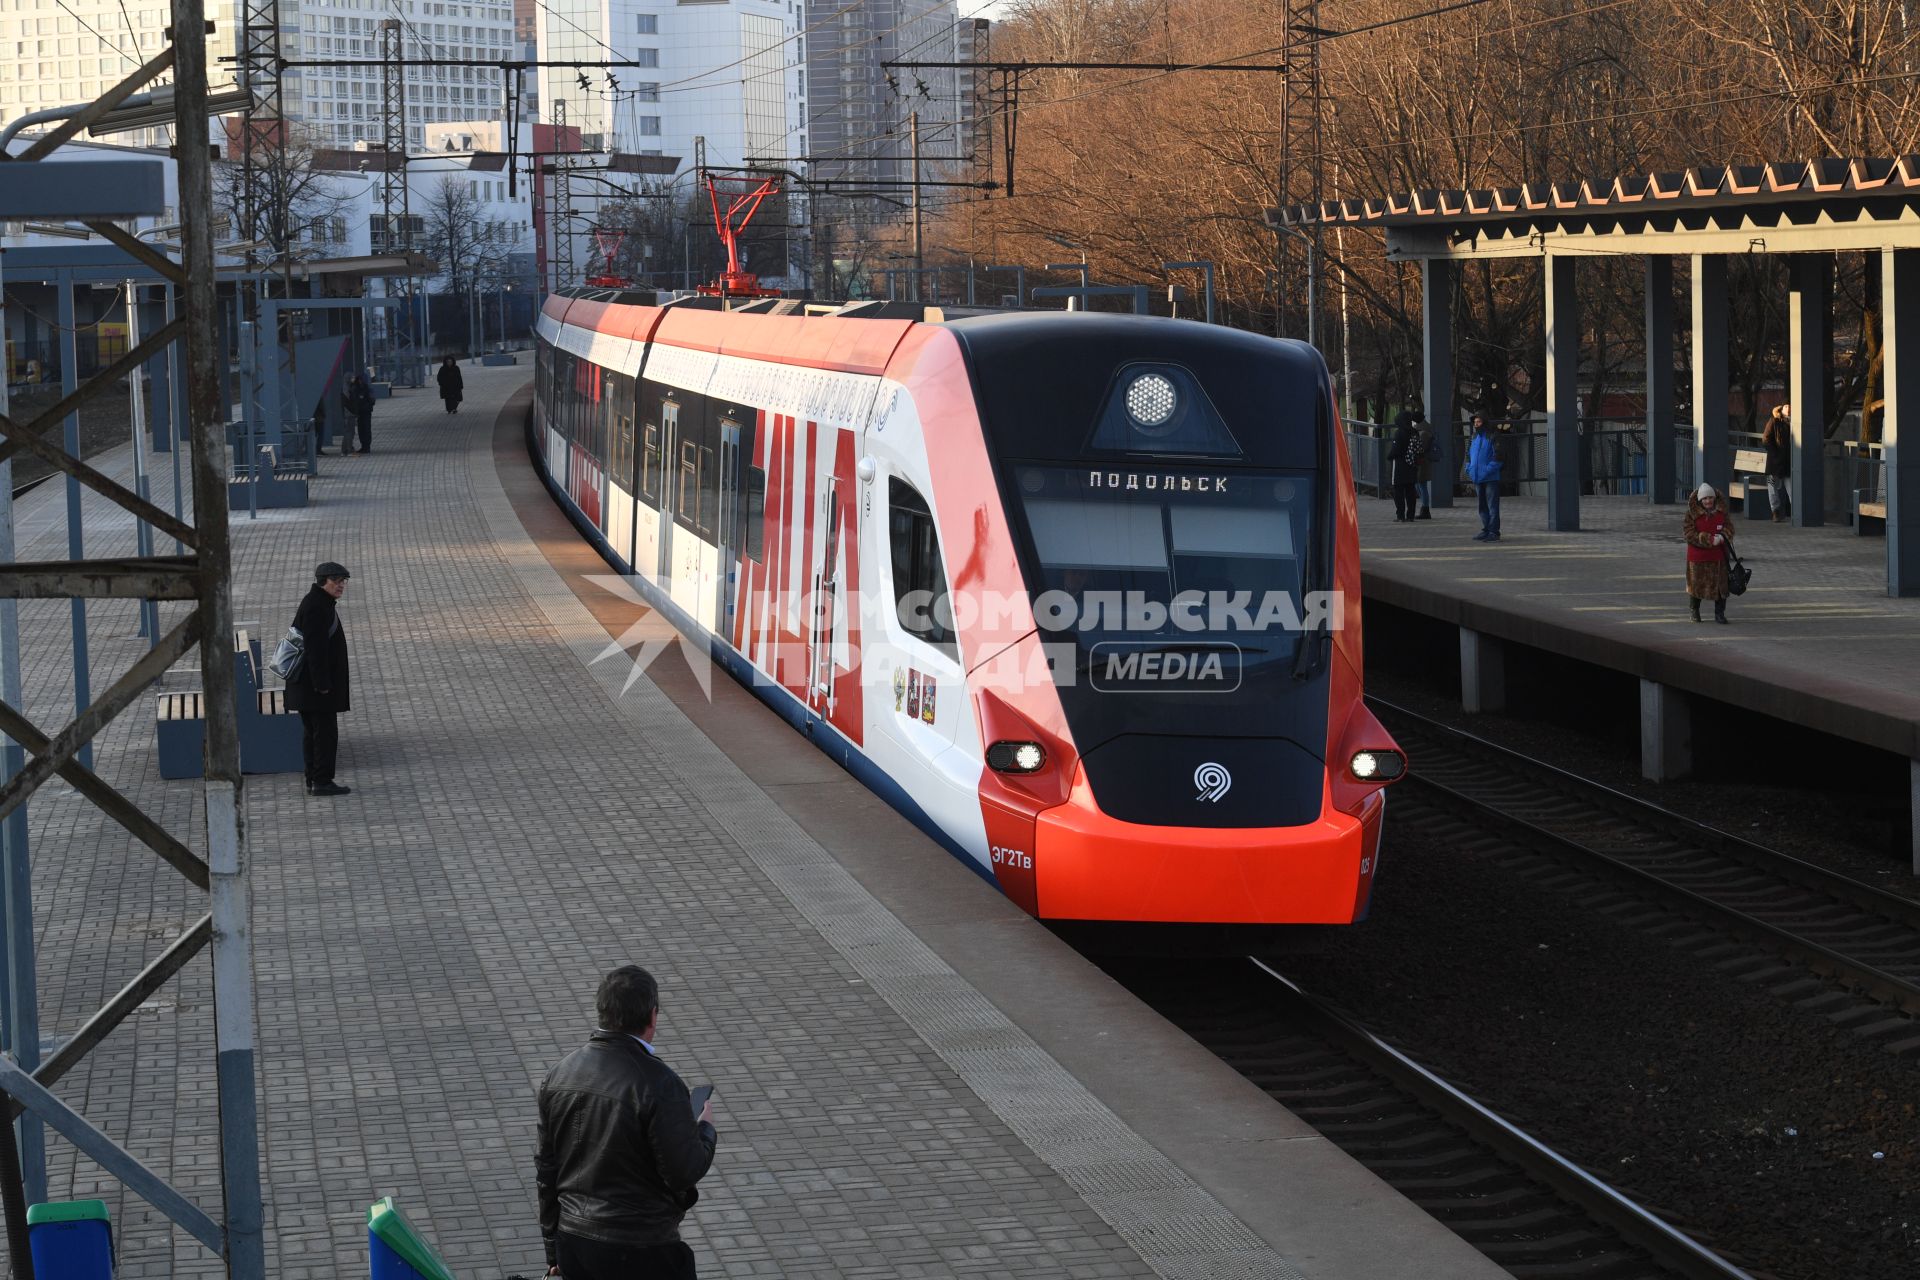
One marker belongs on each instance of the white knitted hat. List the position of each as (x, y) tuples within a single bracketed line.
[(1705, 491)]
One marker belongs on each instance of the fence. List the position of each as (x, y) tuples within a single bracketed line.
[(38, 363), (1612, 459)]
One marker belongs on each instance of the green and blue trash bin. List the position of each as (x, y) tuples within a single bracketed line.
[(71, 1240), (397, 1251)]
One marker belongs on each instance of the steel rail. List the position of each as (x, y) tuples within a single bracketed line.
[(1864, 978), (1807, 874), (1638, 1226)]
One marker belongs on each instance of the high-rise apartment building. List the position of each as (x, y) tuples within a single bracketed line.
[(727, 71), (339, 106), (859, 109), (63, 54)]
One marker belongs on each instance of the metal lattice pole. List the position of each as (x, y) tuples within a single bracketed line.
[(1297, 256), (226, 833), (264, 185), (395, 217), (562, 199), (32, 756)]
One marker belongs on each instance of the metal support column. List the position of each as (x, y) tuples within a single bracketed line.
[(1436, 333), (1712, 458), (1483, 672), (20, 1033), (1563, 395), (76, 535), (1809, 340), (1899, 439), (1913, 804), (1663, 479), (1666, 732), (1019, 282), (1204, 266), (137, 394)]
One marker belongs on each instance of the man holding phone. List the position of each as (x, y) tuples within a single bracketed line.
[(622, 1145)]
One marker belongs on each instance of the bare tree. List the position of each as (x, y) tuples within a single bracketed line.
[(299, 209), (467, 247)]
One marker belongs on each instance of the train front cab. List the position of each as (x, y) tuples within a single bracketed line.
[(1199, 748)]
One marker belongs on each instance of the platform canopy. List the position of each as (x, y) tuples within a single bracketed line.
[(1809, 210), (1808, 206)]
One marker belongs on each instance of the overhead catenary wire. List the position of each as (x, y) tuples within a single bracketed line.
[(100, 36), (1268, 51)]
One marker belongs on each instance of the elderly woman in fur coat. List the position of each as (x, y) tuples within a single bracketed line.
[(1709, 533)]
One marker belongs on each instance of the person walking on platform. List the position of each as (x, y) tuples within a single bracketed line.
[(451, 384), (318, 690), (1483, 470), (621, 1147), (359, 398), (1403, 453), (1777, 440), (1709, 532), (1423, 435)]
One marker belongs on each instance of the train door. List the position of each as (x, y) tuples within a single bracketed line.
[(923, 734), (619, 478), (824, 606), (727, 532)]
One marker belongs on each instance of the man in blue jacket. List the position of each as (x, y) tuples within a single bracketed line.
[(1483, 469)]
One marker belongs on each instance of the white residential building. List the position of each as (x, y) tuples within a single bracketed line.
[(65, 54), (727, 71), (342, 105)]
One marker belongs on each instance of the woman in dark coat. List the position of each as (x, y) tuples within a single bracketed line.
[(451, 385), (1709, 534), (1777, 440), (359, 398), (1404, 452), (319, 688)]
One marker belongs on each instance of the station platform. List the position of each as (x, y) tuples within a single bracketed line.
[(1815, 641), (912, 1078)]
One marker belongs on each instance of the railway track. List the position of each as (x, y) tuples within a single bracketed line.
[(1528, 1209), (1790, 915)]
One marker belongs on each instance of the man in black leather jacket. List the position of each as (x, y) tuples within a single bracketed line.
[(620, 1147)]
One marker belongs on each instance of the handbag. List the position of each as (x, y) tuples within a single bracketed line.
[(289, 656), (1738, 575)]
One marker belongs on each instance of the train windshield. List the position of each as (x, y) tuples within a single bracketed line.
[(1169, 565)]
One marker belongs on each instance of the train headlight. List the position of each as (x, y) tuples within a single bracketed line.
[(1016, 757), (1378, 766), (1151, 399)]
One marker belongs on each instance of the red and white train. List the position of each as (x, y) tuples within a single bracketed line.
[(1065, 589)]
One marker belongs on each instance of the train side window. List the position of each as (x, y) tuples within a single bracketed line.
[(756, 514), (622, 390), (650, 464), (919, 578), (709, 494), (688, 496)]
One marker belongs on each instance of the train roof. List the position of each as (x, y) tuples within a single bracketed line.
[(785, 332)]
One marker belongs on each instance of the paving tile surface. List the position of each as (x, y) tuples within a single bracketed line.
[(425, 949)]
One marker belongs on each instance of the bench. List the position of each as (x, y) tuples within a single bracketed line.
[(1865, 509), (270, 468), (269, 733)]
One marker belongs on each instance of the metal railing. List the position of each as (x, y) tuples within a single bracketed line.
[(1613, 456)]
